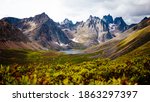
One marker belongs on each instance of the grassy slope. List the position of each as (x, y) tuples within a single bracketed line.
[(115, 47), (132, 42)]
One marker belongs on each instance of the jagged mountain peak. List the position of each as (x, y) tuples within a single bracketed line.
[(122, 26), (67, 21), (77, 23), (90, 17), (93, 18), (40, 18), (108, 19), (44, 31), (48, 33), (67, 24), (119, 20)]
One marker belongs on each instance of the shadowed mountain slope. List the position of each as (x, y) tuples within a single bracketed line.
[(12, 37)]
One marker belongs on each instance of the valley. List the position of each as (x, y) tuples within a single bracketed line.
[(107, 51)]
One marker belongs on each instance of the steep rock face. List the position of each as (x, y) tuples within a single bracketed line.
[(44, 30), (67, 24), (87, 32), (117, 25), (108, 19), (121, 25)]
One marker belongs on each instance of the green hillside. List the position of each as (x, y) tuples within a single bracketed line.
[(132, 42)]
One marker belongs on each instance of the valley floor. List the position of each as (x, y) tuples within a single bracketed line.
[(26, 67)]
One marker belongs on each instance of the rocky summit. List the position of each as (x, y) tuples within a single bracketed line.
[(51, 35), (43, 30), (94, 30)]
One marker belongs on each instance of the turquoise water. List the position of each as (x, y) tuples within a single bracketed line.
[(72, 51)]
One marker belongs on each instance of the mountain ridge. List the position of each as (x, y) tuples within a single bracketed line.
[(44, 31), (95, 30), (65, 35)]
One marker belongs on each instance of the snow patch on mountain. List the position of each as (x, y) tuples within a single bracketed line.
[(112, 27), (75, 40)]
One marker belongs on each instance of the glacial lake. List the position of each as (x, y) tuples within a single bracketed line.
[(72, 51)]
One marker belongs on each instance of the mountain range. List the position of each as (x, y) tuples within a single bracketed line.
[(94, 30), (45, 33), (42, 30)]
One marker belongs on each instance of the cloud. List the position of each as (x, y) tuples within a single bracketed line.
[(126, 8), (77, 10)]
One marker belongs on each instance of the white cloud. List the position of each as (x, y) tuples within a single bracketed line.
[(77, 10)]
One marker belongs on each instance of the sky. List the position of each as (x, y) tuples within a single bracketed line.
[(132, 11)]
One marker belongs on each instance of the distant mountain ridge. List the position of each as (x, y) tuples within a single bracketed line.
[(94, 30), (57, 36), (67, 24)]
